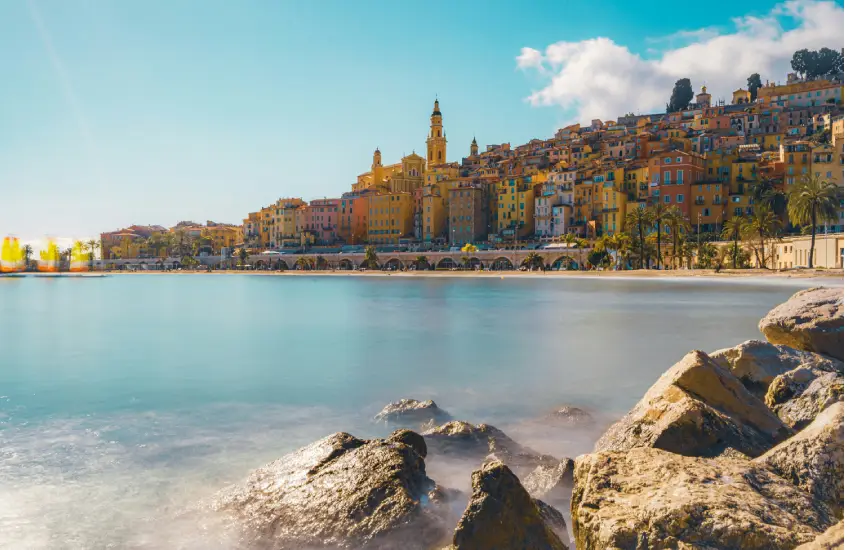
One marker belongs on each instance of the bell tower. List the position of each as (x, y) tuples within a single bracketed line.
[(377, 168), (473, 147), (436, 142)]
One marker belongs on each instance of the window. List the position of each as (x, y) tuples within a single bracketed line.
[(680, 198), (667, 160), (705, 212), (737, 211), (680, 174), (667, 177), (678, 160), (667, 199)]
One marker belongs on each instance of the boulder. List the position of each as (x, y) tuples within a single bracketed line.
[(813, 458), (410, 412), (483, 442), (501, 514), (697, 408), (570, 416), (757, 363), (553, 519), (340, 491), (810, 320), (552, 483), (650, 498), (799, 395), (832, 539)]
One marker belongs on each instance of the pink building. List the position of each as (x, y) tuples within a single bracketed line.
[(321, 219)]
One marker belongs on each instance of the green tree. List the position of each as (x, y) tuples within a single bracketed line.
[(812, 201), (370, 257), (622, 244), (532, 260), (321, 262), (676, 221), (421, 262), (92, 245), (706, 256), (732, 230), (681, 96), (754, 84), (640, 219), (469, 248), (660, 218), (27, 255), (305, 263), (765, 192), (828, 63), (243, 255), (802, 62), (763, 225)]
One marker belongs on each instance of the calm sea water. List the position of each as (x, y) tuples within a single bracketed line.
[(127, 397)]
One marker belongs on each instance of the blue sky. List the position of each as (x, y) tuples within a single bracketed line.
[(155, 111)]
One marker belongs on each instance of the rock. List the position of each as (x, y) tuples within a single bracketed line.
[(813, 458), (757, 363), (799, 395), (730, 452), (552, 483), (832, 539), (412, 439), (650, 498), (410, 412), (482, 441), (810, 320), (501, 514), (340, 491), (570, 416), (697, 408), (553, 519)]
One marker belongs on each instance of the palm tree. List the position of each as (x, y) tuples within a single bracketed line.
[(532, 259), (465, 261), (731, 231), (765, 192), (688, 250), (322, 263), (27, 255), (677, 222), (603, 246), (242, 256), (763, 225), (421, 262), (92, 245), (811, 201), (370, 257), (469, 248), (622, 244), (660, 217), (305, 263), (642, 219)]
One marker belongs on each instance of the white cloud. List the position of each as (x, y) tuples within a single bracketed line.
[(598, 78)]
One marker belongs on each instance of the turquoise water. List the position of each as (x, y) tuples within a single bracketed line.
[(126, 397)]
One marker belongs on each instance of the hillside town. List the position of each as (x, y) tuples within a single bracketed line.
[(706, 170)]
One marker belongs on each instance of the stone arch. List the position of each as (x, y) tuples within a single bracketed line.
[(565, 263), (393, 264), (280, 265), (345, 265), (502, 264), (260, 264), (446, 263), (474, 263)]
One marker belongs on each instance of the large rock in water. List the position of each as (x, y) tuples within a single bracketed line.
[(482, 441), (832, 539), (697, 408), (810, 320), (757, 363), (552, 483), (341, 492), (649, 498), (799, 395), (501, 515), (410, 412), (813, 458)]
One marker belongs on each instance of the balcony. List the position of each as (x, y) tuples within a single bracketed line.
[(699, 202)]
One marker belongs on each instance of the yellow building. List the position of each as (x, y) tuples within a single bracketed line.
[(390, 217), (515, 207), (613, 208), (741, 96), (222, 236), (827, 164), (252, 229), (434, 212), (436, 142), (796, 158)]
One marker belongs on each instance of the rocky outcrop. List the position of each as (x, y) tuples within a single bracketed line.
[(799, 395), (813, 458), (501, 514), (552, 483), (341, 492), (569, 416), (413, 413), (482, 441), (832, 539), (757, 363), (650, 498), (810, 320), (697, 408)]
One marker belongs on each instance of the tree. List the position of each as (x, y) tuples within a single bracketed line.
[(622, 244), (305, 263), (370, 257), (731, 231), (469, 248), (828, 63), (763, 224), (677, 222), (641, 219), (92, 246), (243, 255), (27, 255), (532, 260), (321, 262), (660, 218), (421, 262), (706, 255), (681, 96), (754, 84), (811, 201), (766, 193), (801, 62)]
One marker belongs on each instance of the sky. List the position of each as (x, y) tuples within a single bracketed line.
[(125, 112)]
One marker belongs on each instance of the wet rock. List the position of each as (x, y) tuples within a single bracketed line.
[(798, 396), (483, 442), (570, 416), (757, 363), (832, 539), (650, 498), (552, 483), (813, 458), (411, 439), (501, 514), (340, 491), (810, 320), (697, 408), (410, 412)]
